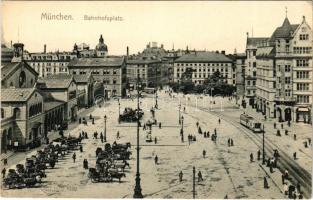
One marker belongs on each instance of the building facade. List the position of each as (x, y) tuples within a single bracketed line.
[(291, 66), (110, 71), (204, 64)]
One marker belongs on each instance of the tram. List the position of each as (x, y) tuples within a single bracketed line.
[(250, 123)]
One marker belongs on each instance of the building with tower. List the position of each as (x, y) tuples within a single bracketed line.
[(284, 73)]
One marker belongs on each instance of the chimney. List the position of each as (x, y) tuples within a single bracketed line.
[(247, 34), (45, 48), (217, 52), (303, 17), (127, 51), (11, 44), (162, 46), (223, 52)]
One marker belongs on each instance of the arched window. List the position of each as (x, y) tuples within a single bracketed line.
[(17, 113), (2, 113)]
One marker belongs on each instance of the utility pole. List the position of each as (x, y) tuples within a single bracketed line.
[(137, 190), (263, 157), (194, 183)]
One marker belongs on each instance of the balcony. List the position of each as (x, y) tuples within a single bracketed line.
[(285, 99)]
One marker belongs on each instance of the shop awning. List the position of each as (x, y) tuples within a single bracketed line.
[(303, 110)]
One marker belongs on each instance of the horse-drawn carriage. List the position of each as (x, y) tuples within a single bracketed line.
[(130, 115), (21, 178), (111, 162)]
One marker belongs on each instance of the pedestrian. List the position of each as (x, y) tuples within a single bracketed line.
[(90, 116), (184, 109), (203, 153), (228, 142), (208, 134), (180, 176), (74, 157), (86, 135), (295, 155), (197, 124), (81, 148), (231, 142), (251, 157), (298, 187), (219, 121), (295, 136), (93, 120), (160, 125), (80, 120), (156, 159), (300, 195), (215, 131), (289, 123), (182, 138), (265, 183), (286, 174), (283, 178), (3, 172), (278, 133), (101, 137), (155, 140), (144, 127), (118, 135), (200, 176), (259, 154), (282, 126), (274, 125), (286, 189), (286, 132)]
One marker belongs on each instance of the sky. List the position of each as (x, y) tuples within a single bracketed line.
[(201, 25)]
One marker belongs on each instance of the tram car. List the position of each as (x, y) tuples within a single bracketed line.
[(250, 123)]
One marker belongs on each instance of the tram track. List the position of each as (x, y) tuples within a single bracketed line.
[(295, 170)]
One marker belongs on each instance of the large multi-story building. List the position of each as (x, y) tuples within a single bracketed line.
[(49, 63), (204, 64), (250, 69), (284, 63), (110, 71)]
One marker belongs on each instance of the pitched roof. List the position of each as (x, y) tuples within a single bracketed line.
[(265, 51), (254, 41), (48, 105), (97, 62), (142, 61), (204, 57), (8, 68), (284, 31), (81, 78), (57, 81), (16, 94)]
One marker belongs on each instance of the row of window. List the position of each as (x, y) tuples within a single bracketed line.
[(303, 98), (107, 81), (204, 75), (35, 109), (302, 63), (208, 69), (303, 86), (302, 50), (304, 37), (48, 64), (203, 64), (97, 72), (303, 75)]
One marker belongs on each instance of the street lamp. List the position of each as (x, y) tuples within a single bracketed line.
[(182, 128), (211, 97), (105, 128), (119, 111), (263, 157), (156, 99), (137, 190), (179, 117)]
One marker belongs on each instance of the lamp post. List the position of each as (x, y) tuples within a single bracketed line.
[(137, 190), (263, 156), (156, 99), (182, 128), (119, 111), (211, 97), (193, 182), (105, 128), (179, 117)]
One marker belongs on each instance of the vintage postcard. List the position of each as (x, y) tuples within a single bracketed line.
[(156, 99)]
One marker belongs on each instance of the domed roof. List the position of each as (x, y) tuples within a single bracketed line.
[(101, 46)]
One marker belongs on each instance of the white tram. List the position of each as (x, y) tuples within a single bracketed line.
[(250, 123)]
